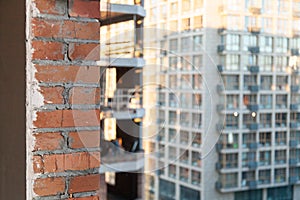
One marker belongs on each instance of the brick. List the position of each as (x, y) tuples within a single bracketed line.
[(65, 29), (84, 95), (94, 160), (49, 186), (84, 139), (81, 30), (91, 183), (85, 198), (51, 6), (48, 141), (54, 163), (46, 28), (52, 95), (48, 119), (38, 166), (84, 51), (77, 161), (83, 8), (76, 118), (67, 74), (47, 50)]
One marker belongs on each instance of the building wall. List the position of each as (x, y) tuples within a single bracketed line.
[(63, 154)]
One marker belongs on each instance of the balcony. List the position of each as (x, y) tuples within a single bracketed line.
[(254, 49), (220, 68), (115, 13), (294, 107), (296, 13), (122, 62), (253, 145), (253, 107), (220, 88), (295, 88), (293, 143), (221, 48), (253, 69), (254, 29), (252, 184), (218, 166), (294, 52), (294, 125), (253, 126), (252, 165), (255, 10), (125, 104), (253, 88), (116, 159), (293, 179), (293, 162)]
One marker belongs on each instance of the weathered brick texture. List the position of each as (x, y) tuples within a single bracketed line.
[(66, 149)]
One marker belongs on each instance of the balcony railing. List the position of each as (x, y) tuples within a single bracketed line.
[(254, 29), (254, 49), (294, 52), (253, 69), (256, 10), (123, 99)]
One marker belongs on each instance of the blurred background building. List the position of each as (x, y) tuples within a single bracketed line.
[(227, 110)]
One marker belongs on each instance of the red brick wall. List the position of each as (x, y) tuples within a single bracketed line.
[(65, 156)]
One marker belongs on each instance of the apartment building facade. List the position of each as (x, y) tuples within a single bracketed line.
[(227, 102)]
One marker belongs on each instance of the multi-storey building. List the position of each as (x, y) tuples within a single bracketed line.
[(227, 110), (121, 64)]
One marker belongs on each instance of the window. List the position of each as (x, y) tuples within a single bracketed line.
[(197, 100), (184, 137), (231, 62), (197, 43), (198, 22), (229, 160), (280, 63), (281, 82), (174, 26), (280, 157), (265, 139), (196, 120), (174, 8), (184, 156), (184, 119), (232, 42), (248, 158), (185, 44), (185, 100), (184, 174), (267, 23), (280, 119), (173, 45), (172, 171), (166, 189), (281, 101), (232, 102), (231, 82), (229, 141), (196, 139), (196, 159), (197, 82), (247, 178), (248, 120), (249, 80), (266, 101), (265, 63), (249, 41), (264, 177), (266, 44), (196, 177), (229, 180), (264, 158), (266, 82), (281, 45), (280, 138), (248, 138), (173, 101), (231, 122), (283, 6), (172, 135), (172, 117), (186, 5), (185, 24), (197, 62), (265, 121), (186, 64), (187, 193), (280, 175)]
